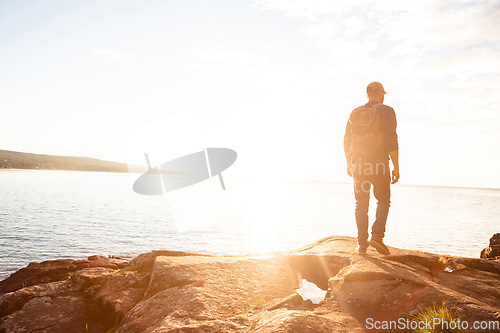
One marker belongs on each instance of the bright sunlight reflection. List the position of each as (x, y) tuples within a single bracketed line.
[(265, 208)]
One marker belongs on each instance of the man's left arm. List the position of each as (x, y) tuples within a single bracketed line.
[(395, 162)]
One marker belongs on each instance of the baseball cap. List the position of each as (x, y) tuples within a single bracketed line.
[(376, 86)]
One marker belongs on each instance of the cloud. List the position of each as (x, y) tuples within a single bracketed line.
[(427, 46), (110, 55), (437, 58), (439, 24), (232, 55), (396, 27), (258, 68)]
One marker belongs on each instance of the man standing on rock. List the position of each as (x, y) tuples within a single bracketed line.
[(370, 139)]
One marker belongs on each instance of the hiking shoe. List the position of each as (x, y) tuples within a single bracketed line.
[(379, 245), (361, 249)]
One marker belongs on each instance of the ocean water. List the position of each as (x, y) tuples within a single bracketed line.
[(65, 214)]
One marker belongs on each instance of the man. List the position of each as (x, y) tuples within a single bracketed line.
[(370, 139)]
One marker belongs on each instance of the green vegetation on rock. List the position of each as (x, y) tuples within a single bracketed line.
[(16, 160)]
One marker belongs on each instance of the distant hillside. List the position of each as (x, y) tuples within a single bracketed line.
[(16, 160)]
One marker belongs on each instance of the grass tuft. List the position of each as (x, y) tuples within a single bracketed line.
[(259, 301), (443, 260), (447, 319)]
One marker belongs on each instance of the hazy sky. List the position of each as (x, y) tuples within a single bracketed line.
[(274, 80)]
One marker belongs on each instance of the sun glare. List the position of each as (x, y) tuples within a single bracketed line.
[(265, 206)]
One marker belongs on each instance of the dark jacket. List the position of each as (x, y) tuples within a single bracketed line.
[(387, 127)]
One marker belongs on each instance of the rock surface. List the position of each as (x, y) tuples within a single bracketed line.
[(172, 291), (53, 270), (493, 250)]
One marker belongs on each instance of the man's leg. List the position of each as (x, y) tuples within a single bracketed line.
[(382, 192), (362, 194)]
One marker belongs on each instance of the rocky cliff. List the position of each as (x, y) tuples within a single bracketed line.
[(170, 291)]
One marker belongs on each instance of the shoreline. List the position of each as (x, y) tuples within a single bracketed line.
[(14, 160), (175, 290), (134, 171), (130, 255)]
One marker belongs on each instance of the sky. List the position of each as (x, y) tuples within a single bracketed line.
[(275, 80)]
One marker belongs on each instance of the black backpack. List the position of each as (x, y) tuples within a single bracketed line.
[(366, 142)]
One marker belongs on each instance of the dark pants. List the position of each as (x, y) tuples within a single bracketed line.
[(365, 175)]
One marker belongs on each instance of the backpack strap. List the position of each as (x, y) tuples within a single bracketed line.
[(374, 107)]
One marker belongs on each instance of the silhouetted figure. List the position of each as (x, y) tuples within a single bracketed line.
[(370, 139)]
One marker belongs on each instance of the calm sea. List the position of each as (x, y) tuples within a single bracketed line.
[(65, 214)]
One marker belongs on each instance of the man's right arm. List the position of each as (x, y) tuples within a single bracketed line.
[(347, 148), (392, 145)]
